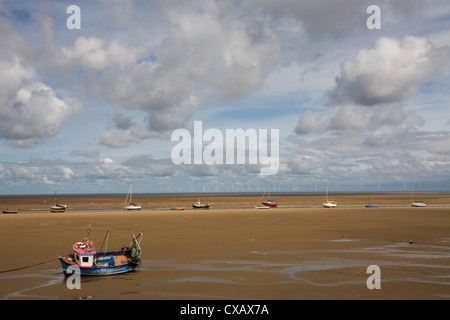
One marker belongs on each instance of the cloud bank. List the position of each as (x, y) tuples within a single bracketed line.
[(392, 71)]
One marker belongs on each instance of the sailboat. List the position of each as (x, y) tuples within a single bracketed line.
[(368, 205), (268, 202), (132, 206), (417, 203), (328, 203)]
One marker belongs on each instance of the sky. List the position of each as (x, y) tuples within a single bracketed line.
[(93, 109)]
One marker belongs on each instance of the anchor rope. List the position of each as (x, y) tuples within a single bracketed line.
[(29, 266)]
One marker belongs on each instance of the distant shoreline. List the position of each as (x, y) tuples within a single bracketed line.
[(224, 193), (165, 201)]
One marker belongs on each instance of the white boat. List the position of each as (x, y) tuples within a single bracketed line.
[(58, 207), (329, 203), (131, 206), (199, 205), (417, 203)]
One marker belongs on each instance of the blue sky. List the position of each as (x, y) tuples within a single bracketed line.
[(93, 110)]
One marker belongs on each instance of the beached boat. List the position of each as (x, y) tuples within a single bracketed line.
[(199, 205), (131, 206), (417, 203), (93, 263), (58, 208), (268, 202), (329, 203), (177, 208), (368, 205), (9, 211)]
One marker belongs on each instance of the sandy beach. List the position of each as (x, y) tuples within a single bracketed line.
[(233, 251)]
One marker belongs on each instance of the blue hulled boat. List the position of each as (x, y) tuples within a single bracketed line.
[(91, 262)]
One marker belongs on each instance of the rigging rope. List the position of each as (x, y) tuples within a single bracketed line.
[(32, 265)]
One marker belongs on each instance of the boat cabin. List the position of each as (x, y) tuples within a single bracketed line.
[(84, 253)]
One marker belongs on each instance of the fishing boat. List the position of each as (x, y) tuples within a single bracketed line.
[(92, 263), (329, 203), (131, 206), (58, 207), (199, 205)]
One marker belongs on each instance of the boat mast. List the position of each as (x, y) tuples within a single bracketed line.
[(88, 231), (105, 240), (131, 192)]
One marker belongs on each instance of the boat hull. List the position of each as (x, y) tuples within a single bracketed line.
[(9, 211), (418, 204), (130, 208), (329, 205), (100, 271), (270, 204), (200, 206)]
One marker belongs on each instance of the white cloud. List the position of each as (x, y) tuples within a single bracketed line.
[(379, 121), (392, 71), (205, 55), (85, 152), (98, 54), (145, 68), (31, 111)]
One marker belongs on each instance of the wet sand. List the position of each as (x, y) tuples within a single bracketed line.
[(234, 251)]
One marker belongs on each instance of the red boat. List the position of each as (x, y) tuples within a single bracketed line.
[(270, 203), (57, 210)]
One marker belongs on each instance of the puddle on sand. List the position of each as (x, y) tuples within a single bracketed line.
[(36, 281)]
